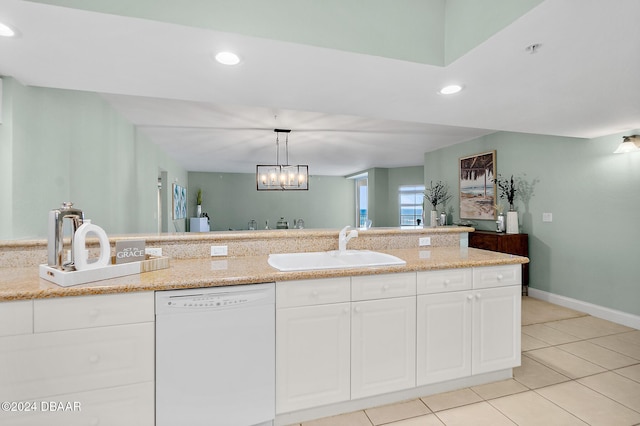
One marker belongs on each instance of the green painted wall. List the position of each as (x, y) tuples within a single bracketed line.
[(411, 30), (435, 32), (589, 251), (469, 23), (67, 145), (231, 201), (6, 134), (379, 197)]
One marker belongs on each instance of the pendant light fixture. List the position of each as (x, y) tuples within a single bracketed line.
[(282, 177)]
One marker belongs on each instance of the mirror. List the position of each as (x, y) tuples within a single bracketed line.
[(63, 145)]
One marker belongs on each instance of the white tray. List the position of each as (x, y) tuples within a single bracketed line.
[(71, 278)]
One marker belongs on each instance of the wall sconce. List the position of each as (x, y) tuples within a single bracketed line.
[(629, 144)]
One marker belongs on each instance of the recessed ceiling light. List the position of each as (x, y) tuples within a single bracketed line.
[(450, 89), (6, 31), (227, 58)]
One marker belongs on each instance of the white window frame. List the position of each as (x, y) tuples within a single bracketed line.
[(417, 204)]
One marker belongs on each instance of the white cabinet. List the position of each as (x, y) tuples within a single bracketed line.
[(497, 276), (95, 350), (312, 343), (496, 328), (383, 333), (476, 331), (16, 318), (383, 346), (343, 338), (444, 337), (351, 338), (71, 313), (444, 280), (118, 406)]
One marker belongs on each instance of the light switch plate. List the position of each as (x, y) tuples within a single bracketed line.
[(218, 250), (153, 251), (547, 217)]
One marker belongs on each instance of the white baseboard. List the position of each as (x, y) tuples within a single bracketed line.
[(390, 398), (608, 314)]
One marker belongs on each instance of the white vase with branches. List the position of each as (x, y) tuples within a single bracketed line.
[(508, 190), (436, 194)]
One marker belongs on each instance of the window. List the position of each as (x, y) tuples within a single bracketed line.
[(362, 200), (411, 198)]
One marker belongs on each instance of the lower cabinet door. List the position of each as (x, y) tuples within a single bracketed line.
[(382, 346), (65, 362), (443, 336), (131, 405), (496, 329), (312, 356)]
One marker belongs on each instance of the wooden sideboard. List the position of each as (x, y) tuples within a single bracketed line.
[(504, 243)]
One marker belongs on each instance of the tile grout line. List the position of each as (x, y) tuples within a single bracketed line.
[(551, 368), (593, 362)]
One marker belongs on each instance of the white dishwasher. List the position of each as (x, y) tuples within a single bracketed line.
[(215, 356)]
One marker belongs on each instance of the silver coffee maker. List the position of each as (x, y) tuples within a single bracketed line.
[(55, 246)]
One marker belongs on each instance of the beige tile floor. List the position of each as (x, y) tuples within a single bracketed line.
[(576, 370)]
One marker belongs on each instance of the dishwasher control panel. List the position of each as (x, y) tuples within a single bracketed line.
[(210, 299), (206, 301)]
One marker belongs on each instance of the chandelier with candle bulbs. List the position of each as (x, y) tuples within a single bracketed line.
[(282, 177)]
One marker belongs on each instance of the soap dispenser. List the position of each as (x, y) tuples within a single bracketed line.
[(56, 234)]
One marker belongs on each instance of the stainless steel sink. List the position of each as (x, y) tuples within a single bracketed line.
[(331, 260)]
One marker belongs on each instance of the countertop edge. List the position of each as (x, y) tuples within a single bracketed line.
[(37, 288)]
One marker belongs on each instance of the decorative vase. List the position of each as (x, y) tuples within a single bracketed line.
[(198, 210), (434, 218), (512, 222)]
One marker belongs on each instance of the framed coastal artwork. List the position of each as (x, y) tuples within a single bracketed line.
[(477, 188), (179, 202)]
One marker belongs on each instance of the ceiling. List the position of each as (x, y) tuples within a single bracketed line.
[(348, 111)]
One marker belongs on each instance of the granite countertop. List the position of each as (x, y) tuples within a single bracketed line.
[(25, 283)]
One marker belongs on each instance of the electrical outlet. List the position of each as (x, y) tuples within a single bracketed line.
[(153, 251), (547, 217), (218, 250), (424, 241)]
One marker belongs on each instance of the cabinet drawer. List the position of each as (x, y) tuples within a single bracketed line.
[(68, 313), (497, 276), (16, 318), (131, 405), (37, 365), (445, 280), (313, 292), (371, 287)]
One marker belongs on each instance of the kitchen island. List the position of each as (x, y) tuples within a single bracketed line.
[(448, 318)]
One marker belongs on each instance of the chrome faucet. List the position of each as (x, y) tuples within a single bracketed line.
[(343, 238)]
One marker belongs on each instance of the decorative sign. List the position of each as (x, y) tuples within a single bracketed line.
[(129, 251)]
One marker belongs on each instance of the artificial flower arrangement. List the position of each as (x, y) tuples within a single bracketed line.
[(437, 194), (507, 189)]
